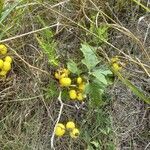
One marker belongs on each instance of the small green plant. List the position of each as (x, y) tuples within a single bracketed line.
[(95, 74), (48, 44), (101, 32), (86, 82)]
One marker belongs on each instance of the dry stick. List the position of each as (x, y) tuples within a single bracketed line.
[(130, 34), (30, 66), (143, 67), (20, 100), (57, 120), (60, 3), (146, 148), (130, 58), (28, 33)]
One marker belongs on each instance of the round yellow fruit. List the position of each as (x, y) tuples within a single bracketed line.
[(82, 86), (116, 67), (57, 76), (60, 130), (1, 63), (65, 81), (70, 125), (80, 97), (8, 59), (73, 94), (114, 59), (63, 75), (74, 133), (66, 71), (6, 66), (3, 73), (3, 49), (79, 80)]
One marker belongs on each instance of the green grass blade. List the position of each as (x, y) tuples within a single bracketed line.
[(134, 89), (1, 6), (140, 4), (8, 11)]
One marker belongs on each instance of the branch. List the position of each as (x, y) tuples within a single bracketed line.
[(57, 120)]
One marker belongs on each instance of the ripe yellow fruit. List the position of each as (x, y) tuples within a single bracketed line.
[(116, 67), (65, 81), (6, 66), (3, 73), (74, 133), (114, 59), (70, 125), (57, 76), (3, 49), (82, 86), (1, 63), (60, 130), (66, 71), (63, 75), (8, 59), (80, 97), (73, 94), (79, 80)]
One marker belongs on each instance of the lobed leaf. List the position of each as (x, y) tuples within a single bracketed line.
[(90, 59), (72, 66)]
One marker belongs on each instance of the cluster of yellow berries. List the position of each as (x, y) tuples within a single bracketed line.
[(5, 62), (115, 64), (60, 129), (78, 92)]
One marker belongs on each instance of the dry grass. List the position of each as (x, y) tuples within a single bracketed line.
[(29, 103)]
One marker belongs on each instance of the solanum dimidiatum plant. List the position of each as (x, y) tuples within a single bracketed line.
[(91, 81), (94, 72)]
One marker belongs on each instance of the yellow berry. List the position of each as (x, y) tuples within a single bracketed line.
[(116, 67), (70, 125), (3, 49), (73, 94), (6, 66), (8, 59), (63, 75), (79, 80), (80, 97), (82, 86), (57, 76), (1, 63), (114, 59), (74, 133), (66, 71), (59, 130), (3, 73), (65, 81)]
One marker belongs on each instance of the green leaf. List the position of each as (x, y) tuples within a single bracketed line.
[(90, 147), (102, 32), (98, 74), (95, 91), (72, 66), (49, 49), (90, 59), (105, 72), (95, 143)]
